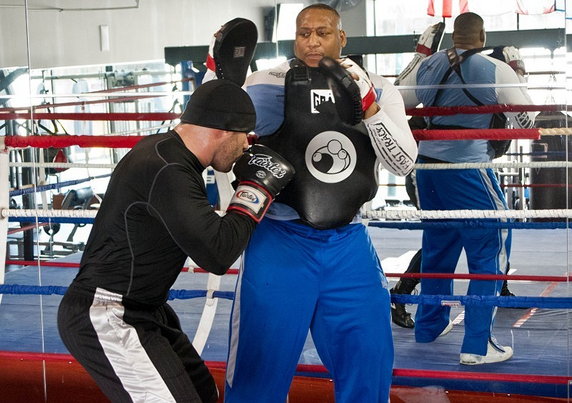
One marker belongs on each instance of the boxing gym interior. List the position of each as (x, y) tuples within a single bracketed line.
[(81, 82)]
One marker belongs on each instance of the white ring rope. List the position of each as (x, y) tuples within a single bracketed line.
[(462, 165), (555, 132), (60, 165), (390, 214), (461, 214), (481, 165), (4, 213)]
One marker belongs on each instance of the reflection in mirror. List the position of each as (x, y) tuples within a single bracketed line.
[(15, 91)]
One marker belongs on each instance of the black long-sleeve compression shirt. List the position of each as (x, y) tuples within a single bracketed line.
[(154, 214)]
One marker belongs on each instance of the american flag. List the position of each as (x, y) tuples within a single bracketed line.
[(452, 8), (447, 8)]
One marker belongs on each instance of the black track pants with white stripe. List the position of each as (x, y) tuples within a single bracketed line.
[(133, 355)]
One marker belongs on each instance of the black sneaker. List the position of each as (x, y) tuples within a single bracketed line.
[(401, 317), (505, 292)]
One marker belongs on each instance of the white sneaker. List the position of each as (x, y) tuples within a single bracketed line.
[(447, 329), (495, 353)]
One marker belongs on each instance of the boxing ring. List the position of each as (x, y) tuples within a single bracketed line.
[(35, 366)]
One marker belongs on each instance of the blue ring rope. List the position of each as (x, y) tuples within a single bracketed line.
[(447, 300), (475, 223), (411, 225)]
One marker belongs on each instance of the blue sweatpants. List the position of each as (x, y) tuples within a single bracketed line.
[(296, 278), (487, 251)]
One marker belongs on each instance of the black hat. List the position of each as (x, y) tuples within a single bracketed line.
[(220, 104)]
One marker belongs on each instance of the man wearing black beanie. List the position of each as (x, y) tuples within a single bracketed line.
[(114, 318)]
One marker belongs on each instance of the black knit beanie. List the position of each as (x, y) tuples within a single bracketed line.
[(220, 104)]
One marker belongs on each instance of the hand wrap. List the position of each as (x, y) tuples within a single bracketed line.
[(366, 88), (346, 92)]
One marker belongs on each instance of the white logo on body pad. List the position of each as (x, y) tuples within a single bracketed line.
[(330, 157)]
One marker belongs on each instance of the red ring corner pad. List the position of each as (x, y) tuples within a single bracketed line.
[(22, 380)]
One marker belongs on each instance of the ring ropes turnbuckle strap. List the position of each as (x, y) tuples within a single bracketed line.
[(213, 283)]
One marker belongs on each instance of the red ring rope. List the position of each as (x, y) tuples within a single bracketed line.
[(482, 376), (411, 373), (76, 265), (27, 227), (427, 111), (148, 116), (67, 141), (129, 141), (515, 277)]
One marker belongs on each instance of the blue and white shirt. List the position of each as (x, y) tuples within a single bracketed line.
[(485, 74)]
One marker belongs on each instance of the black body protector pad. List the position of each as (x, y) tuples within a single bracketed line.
[(233, 49), (334, 161)]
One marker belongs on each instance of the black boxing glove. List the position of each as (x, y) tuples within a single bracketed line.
[(261, 174)]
